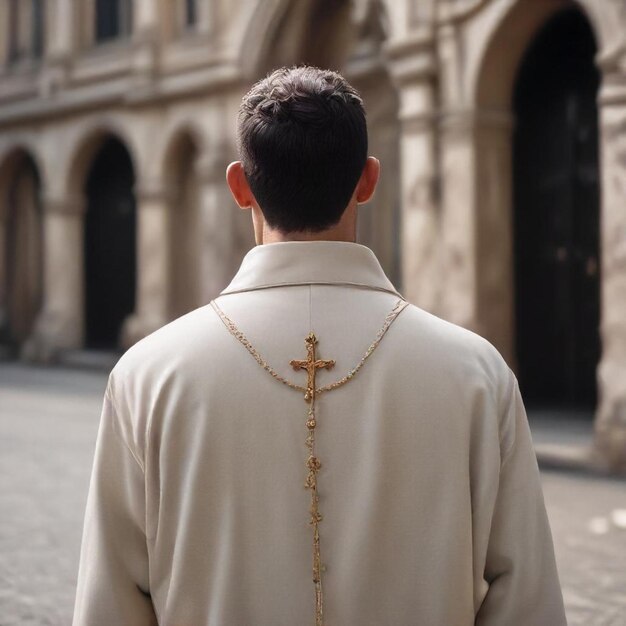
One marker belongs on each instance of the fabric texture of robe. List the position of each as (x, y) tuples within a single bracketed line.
[(432, 507)]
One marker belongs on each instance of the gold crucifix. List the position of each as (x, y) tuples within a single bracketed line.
[(311, 365)]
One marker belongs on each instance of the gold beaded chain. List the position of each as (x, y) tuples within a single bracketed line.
[(391, 316), (311, 364)]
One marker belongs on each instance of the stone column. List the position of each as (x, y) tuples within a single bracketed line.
[(219, 258), (153, 264), (207, 16), (493, 207), (5, 25), (610, 423), (476, 243), (476, 229), (412, 64), (60, 45), (458, 220), (145, 42), (145, 16), (60, 325), (60, 29), (4, 330), (378, 219)]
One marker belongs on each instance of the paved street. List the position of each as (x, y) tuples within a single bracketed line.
[(589, 528), (48, 423)]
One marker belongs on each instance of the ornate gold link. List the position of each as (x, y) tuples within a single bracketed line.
[(313, 464)]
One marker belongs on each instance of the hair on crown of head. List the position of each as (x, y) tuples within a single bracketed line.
[(298, 94), (302, 140)]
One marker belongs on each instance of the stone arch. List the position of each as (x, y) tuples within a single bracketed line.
[(258, 33), (181, 130), (514, 26), (492, 83), (87, 144), (10, 157), (505, 48), (279, 33), (21, 245)]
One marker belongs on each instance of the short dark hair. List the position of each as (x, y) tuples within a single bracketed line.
[(302, 139)]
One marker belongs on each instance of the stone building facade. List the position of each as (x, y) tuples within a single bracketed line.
[(500, 124)]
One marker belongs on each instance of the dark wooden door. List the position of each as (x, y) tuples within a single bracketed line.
[(110, 259), (556, 204)]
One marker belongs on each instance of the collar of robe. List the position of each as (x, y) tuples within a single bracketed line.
[(292, 263)]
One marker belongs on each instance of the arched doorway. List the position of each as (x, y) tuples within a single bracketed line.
[(556, 215), (23, 274), (316, 32), (110, 245)]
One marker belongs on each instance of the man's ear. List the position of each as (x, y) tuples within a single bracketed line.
[(369, 178), (238, 185)]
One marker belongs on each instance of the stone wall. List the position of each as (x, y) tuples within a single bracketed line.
[(437, 76)]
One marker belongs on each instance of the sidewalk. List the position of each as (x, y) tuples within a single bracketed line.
[(564, 440)]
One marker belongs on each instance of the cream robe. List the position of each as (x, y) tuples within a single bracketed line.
[(429, 488)]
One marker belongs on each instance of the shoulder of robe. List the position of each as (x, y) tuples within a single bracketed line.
[(455, 353), (198, 332), (458, 364), (169, 360)]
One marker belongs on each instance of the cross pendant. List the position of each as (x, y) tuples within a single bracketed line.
[(311, 365)]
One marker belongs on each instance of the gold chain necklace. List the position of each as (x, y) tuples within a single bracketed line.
[(311, 364)]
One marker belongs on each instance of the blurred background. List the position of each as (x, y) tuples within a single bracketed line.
[(501, 128)]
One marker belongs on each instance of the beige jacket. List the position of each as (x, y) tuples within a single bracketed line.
[(429, 488)]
